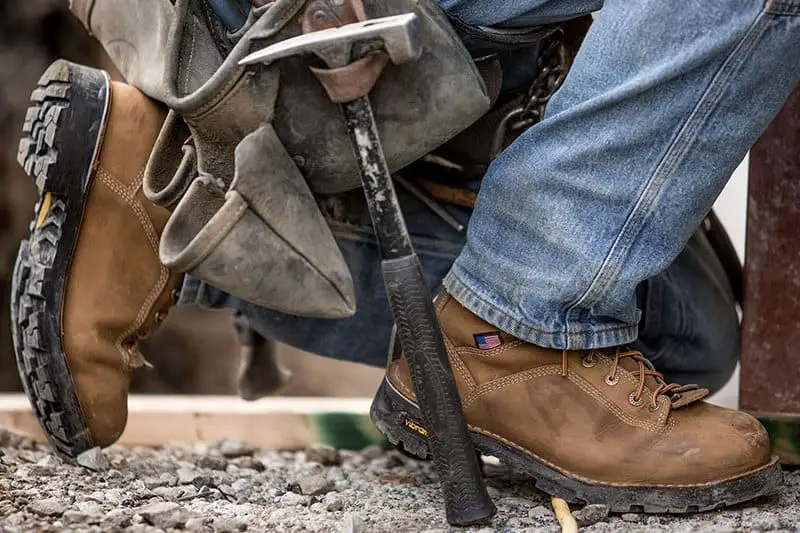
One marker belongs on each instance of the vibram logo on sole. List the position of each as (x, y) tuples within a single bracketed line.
[(410, 424)]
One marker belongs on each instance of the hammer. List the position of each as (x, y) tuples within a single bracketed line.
[(355, 51)]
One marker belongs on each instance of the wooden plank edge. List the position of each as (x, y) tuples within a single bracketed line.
[(284, 423)]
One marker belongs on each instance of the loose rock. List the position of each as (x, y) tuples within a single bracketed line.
[(372, 452), (48, 507), (163, 514), (540, 511), (231, 448), (90, 508), (228, 525), (188, 476), (292, 499), (371, 494), (94, 459), (117, 518), (323, 454), (353, 523), (212, 462), (313, 485), (591, 514), (333, 502), (630, 517), (74, 517)]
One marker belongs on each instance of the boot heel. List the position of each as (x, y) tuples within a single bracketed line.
[(68, 108), (399, 421)]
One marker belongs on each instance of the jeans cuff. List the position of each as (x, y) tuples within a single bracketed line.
[(573, 336)]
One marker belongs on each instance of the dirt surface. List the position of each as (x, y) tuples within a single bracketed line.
[(230, 487)]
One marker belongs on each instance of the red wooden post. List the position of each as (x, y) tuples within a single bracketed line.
[(770, 385)]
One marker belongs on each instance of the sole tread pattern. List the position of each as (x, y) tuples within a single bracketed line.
[(67, 98)]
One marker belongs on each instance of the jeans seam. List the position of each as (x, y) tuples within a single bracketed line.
[(614, 334), (704, 108)]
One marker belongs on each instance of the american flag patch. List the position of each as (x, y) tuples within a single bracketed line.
[(487, 341)]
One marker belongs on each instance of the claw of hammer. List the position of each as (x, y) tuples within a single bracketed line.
[(399, 35)]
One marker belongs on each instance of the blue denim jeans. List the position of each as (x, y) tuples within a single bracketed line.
[(583, 232), (689, 326), (662, 102)]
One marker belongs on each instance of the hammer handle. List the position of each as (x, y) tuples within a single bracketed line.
[(465, 496)]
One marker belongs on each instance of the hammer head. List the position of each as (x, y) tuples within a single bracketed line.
[(398, 35)]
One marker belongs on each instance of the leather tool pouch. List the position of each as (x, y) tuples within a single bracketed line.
[(265, 139)]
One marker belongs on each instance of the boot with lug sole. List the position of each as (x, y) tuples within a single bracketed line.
[(595, 426), (87, 284)]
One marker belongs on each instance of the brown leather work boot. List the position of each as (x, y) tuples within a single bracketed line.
[(591, 426), (88, 283)]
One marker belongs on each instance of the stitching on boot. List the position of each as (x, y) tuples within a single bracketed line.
[(488, 354), (158, 288), (458, 363), (589, 389), (507, 381), (136, 206)]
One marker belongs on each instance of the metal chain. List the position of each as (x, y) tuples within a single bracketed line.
[(553, 67)]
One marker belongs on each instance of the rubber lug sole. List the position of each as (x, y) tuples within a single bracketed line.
[(61, 138), (399, 421)]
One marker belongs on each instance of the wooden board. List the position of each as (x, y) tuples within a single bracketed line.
[(279, 423)]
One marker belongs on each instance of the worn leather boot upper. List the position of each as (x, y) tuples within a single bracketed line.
[(600, 415), (117, 290)]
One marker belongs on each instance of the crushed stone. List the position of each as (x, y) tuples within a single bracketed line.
[(230, 487)]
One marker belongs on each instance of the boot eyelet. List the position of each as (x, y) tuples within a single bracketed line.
[(131, 345), (634, 401), (176, 295), (141, 335), (160, 317), (611, 382), (657, 406), (588, 361)]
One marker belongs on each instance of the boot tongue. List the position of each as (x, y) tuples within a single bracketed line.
[(686, 395)]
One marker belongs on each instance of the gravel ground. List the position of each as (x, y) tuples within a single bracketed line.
[(230, 487)]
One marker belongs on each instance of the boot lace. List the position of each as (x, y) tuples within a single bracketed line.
[(135, 357), (645, 369)]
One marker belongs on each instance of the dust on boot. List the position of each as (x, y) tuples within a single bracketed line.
[(88, 283), (596, 426)]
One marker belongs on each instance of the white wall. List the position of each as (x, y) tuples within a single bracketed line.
[(731, 207)]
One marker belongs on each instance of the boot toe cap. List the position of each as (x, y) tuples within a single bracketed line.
[(718, 443)]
